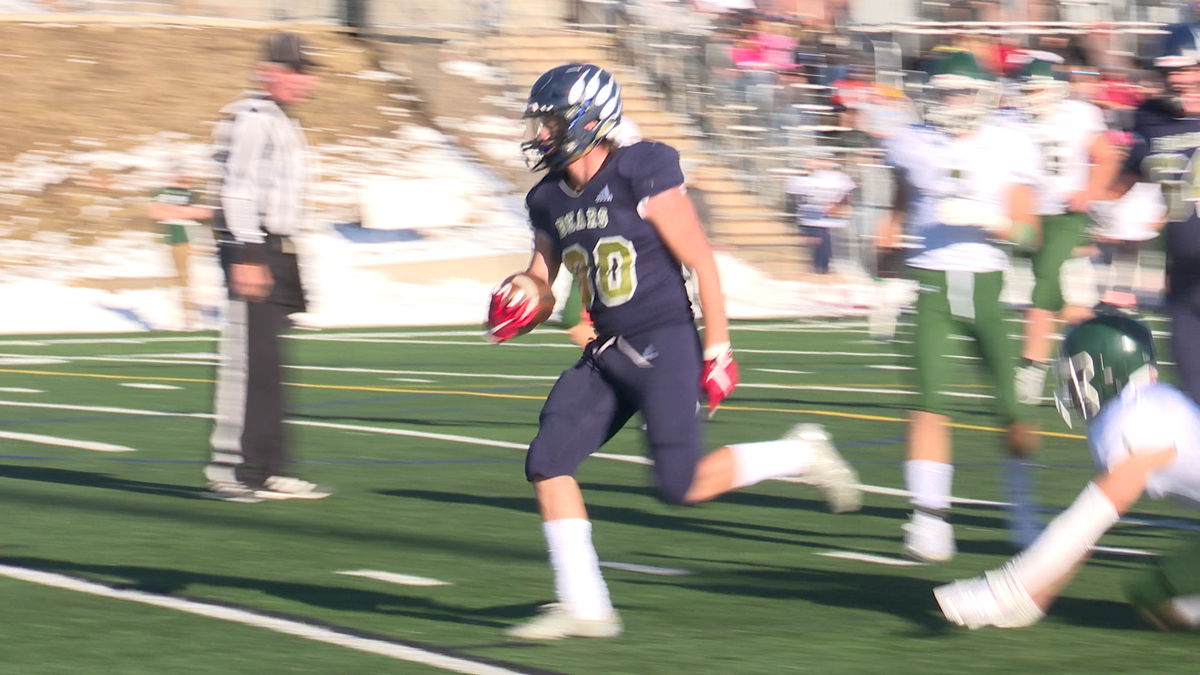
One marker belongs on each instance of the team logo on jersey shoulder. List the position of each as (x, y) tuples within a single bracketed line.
[(604, 196)]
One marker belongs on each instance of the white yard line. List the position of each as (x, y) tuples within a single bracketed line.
[(646, 569), (1119, 550), (393, 578), (782, 371), (298, 629), (21, 390), (870, 558), (474, 440), (149, 385), (40, 439)]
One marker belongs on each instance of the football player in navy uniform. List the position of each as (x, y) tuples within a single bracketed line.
[(619, 219), (1166, 135)]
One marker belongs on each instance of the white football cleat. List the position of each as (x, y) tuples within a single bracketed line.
[(827, 470), (928, 538), (554, 622), (288, 487), (995, 599)]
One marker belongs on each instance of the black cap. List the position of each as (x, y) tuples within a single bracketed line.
[(288, 49)]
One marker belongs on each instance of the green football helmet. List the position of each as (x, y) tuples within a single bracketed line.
[(1097, 359), (958, 94), (1041, 88)]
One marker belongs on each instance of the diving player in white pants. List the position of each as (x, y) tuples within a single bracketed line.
[(1144, 437)]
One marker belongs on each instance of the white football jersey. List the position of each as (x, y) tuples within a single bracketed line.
[(1064, 138), (958, 184), (1146, 418), (817, 193), (1134, 217)]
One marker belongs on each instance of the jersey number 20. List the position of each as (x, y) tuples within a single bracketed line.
[(606, 272)]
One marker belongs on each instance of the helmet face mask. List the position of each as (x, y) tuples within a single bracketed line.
[(1097, 360), (958, 95), (958, 104), (1040, 96), (571, 109)]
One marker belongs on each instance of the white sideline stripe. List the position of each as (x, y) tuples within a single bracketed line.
[(473, 440), (646, 569), (431, 373), (393, 578), (417, 380), (18, 360), (339, 337), (817, 387), (1119, 550), (870, 558), (897, 492), (247, 618), (782, 371), (149, 385), (95, 446), (480, 343), (888, 367), (798, 352), (414, 434), (105, 341), (632, 459), (104, 409), (21, 390)]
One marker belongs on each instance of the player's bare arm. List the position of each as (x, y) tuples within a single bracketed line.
[(1105, 163), (674, 216), (545, 261)]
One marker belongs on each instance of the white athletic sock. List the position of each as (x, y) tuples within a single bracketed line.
[(756, 462), (577, 580), (929, 482)]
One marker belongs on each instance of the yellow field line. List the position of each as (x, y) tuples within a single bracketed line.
[(525, 397)]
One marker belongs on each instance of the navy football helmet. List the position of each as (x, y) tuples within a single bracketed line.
[(571, 109), (1180, 51)]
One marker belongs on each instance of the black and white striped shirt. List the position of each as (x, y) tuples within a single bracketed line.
[(263, 154)]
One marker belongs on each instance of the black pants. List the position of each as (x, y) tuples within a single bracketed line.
[(248, 440), (1185, 344)]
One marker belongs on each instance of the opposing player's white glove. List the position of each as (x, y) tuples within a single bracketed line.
[(995, 599)]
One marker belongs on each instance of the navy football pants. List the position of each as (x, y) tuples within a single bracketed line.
[(656, 373)]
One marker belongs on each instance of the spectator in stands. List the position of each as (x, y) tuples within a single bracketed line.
[(820, 201), (174, 209)]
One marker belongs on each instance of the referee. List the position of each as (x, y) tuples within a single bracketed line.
[(262, 153)]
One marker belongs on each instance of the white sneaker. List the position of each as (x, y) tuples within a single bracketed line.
[(827, 470), (928, 538), (288, 487), (232, 491), (553, 622), (1030, 382)]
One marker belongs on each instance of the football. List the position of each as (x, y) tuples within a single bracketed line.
[(536, 289)]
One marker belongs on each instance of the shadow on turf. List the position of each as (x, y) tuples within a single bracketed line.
[(98, 480), (166, 581), (424, 422), (679, 520), (903, 597)]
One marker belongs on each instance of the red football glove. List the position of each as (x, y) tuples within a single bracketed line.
[(720, 375), (510, 310)]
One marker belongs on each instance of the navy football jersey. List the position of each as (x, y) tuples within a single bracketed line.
[(630, 280), (1164, 152)]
